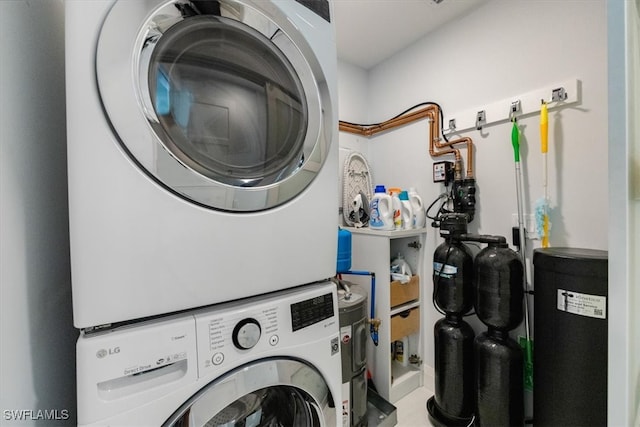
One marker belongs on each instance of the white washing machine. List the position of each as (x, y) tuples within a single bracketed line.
[(202, 145), (263, 361)]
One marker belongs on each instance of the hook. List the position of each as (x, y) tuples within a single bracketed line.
[(481, 119), (559, 94), (515, 108)]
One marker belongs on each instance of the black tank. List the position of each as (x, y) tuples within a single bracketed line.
[(453, 277), (499, 287), (454, 371), (499, 380)]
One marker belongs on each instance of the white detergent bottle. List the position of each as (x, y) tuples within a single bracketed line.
[(407, 211), (419, 214), (400, 269), (381, 210), (394, 192)]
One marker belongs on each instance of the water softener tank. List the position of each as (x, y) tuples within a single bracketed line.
[(500, 383), (499, 287), (499, 281), (453, 277), (570, 337), (453, 370)]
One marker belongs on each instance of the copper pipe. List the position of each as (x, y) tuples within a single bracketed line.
[(431, 112), (469, 143)]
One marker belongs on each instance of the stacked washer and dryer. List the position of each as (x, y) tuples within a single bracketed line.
[(202, 161)]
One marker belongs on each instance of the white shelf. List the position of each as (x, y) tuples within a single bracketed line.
[(390, 234), (372, 251)]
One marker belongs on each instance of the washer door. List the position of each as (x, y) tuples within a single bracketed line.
[(221, 102), (272, 392)]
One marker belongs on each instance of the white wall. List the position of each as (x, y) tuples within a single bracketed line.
[(633, 52), (488, 56), (352, 107), (37, 338)]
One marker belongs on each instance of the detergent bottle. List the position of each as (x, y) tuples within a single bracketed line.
[(394, 192), (419, 214), (406, 210), (381, 210), (400, 269)]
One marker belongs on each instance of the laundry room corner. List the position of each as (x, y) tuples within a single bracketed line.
[(170, 176), (486, 58)]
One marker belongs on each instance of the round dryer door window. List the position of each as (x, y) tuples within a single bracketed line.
[(269, 393), (220, 102)]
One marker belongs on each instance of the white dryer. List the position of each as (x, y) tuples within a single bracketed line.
[(202, 152), (270, 361)]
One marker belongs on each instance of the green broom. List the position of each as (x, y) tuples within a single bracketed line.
[(527, 345)]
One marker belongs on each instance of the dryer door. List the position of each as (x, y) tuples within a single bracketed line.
[(272, 392), (221, 102)]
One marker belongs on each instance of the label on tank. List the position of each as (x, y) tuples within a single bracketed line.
[(444, 270), (582, 304)]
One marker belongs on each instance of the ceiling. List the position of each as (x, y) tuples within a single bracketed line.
[(370, 31)]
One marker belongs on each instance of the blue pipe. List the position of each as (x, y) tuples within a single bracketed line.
[(372, 330)]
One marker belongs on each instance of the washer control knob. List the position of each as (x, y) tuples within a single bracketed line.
[(246, 334)]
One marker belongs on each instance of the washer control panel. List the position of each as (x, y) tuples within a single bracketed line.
[(241, 331)]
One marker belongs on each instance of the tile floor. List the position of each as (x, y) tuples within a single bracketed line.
[(411, 410)]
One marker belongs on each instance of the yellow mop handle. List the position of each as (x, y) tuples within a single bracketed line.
[(544, 147), (544, 128)]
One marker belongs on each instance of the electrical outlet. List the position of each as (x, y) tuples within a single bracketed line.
[(529, 225)]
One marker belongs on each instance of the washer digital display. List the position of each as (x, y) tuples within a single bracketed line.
[(311, 311)]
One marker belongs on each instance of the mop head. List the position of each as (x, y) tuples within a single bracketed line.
[(543, 225)]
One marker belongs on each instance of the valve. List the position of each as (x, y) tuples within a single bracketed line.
[(374, 325), (464, 197)]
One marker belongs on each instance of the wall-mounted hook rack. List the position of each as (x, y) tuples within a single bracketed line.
[(559, 94)]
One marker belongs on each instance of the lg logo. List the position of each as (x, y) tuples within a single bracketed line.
[(102, 353)]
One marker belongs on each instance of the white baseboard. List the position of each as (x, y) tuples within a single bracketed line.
[(429, 377)]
